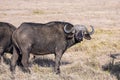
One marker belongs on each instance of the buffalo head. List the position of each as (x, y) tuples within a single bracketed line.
[(78, 32), (82, 32)]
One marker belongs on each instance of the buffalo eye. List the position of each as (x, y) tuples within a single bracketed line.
[(79, 36)]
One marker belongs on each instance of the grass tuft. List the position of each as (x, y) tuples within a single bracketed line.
[(38, 12)]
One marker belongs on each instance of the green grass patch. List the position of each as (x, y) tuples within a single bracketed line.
[(38, 12)]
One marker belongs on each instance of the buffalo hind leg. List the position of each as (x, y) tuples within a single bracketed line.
[(19, 60), (1, 54), (58, 56), (14, 60), (25, 61)]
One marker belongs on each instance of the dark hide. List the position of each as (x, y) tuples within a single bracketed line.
[(6, 46), (6, 30), (41, 39)]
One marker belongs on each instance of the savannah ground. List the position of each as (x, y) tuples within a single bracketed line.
[(88, 60)]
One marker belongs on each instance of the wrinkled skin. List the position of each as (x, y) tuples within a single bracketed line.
[(42, 39)]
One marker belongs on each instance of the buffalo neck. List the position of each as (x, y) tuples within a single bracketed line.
[(70, 42)]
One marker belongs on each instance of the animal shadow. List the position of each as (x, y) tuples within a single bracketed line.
[(113, 67), (45, 62)]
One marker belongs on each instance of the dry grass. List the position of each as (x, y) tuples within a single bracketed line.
[(83, 61), (80, 62)]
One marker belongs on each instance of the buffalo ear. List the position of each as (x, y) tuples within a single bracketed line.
[(87, 36), (69, 28)]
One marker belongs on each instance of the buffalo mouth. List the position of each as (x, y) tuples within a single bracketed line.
[(87, 36), (78, 39)]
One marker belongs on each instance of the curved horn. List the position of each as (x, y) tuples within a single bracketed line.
[(83, 28), (68, 31), (92, 32)]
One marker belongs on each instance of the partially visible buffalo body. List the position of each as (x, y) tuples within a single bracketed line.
[(50, 38), (6, 30)]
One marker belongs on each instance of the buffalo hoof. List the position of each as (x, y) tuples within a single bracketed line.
[(57, 72), (12, 69), (12, 72), (26, 70)]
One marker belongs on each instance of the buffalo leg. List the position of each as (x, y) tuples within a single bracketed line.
[(25, 59), (58, 56), (19, 60), (14, 60), (1, 54)]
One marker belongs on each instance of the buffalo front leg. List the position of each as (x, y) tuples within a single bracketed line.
[(58, 56), (13, 60)]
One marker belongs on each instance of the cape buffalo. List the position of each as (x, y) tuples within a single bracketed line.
[(53, 37), (6, 30)]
